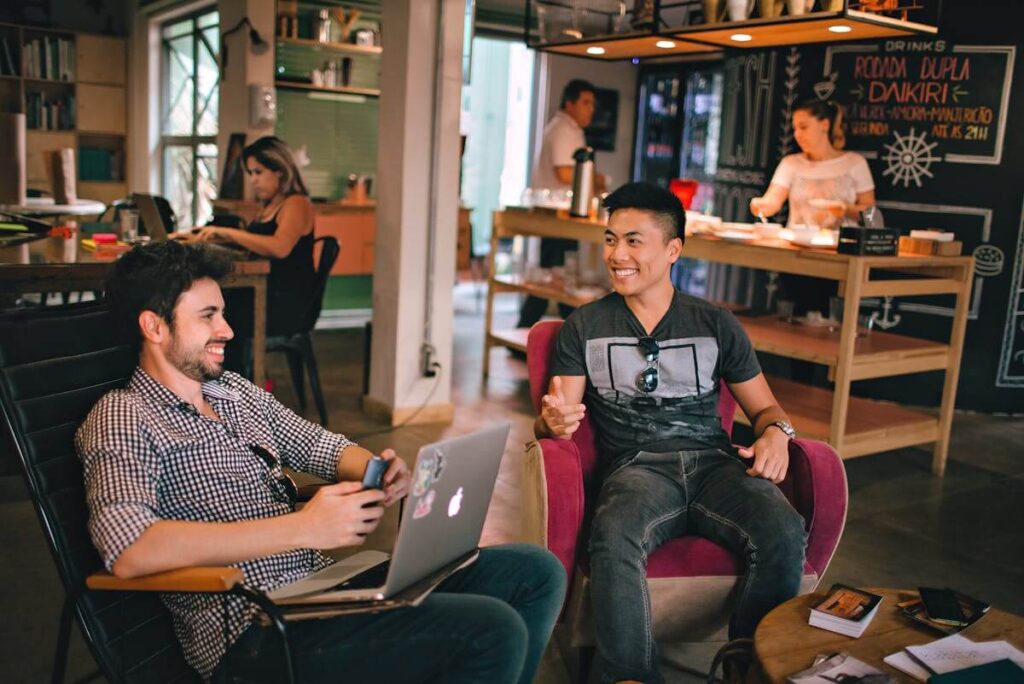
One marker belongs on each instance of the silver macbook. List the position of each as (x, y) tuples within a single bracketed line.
[(451, 488)]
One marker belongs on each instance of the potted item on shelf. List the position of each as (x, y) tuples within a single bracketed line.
[(798, 7), (288, 18), (322, 26), (770, 8), (714, 11), (739, 9)]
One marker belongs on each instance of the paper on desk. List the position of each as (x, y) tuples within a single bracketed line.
[(957, 652), (901, 661)]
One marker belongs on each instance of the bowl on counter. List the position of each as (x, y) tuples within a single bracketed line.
[(697, 223), (768, 231)]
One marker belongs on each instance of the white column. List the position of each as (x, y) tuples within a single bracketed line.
[(417, 180), (243, 70)]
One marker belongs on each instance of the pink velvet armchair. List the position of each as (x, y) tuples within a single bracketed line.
[(691, 579)]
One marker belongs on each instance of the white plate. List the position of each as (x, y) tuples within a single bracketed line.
[(742, 227), (735, 235)]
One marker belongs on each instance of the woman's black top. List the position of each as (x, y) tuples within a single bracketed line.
[(290, 284)]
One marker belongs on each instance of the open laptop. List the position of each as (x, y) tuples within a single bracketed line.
[(451, 488), (159, 224)]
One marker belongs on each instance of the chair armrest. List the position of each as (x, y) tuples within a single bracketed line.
[(198, 579), (565, 498), (816, 486)]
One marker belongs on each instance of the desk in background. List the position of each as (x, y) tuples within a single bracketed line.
[(45, 206), (62, 265)]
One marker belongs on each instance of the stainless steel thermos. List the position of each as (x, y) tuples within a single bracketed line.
[(582, 182)]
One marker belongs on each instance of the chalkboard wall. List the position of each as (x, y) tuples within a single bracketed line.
[(939, 121)]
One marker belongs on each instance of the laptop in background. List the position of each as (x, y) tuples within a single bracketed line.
[(155, 215), (444, 514)]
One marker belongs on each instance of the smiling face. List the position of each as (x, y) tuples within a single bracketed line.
[(265, 182), (199, 332), (811, 133), (636, 252)]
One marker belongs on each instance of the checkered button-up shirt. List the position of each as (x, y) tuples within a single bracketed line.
[(148, 456)]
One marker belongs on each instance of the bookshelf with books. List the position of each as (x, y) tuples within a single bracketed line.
[(72, 89)]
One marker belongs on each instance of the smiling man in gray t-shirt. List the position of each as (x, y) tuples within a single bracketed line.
[(647, 362)]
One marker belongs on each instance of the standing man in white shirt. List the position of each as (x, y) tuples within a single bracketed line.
[(553, 170)]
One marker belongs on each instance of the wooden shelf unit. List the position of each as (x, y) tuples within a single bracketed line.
[(342, 48), (854, 426), (344, 90), (99, 85)]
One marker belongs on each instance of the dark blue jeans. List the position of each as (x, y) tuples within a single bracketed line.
[(655, 497), (489, 623)]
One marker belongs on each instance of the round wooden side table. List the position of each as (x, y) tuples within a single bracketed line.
[(785, 644)]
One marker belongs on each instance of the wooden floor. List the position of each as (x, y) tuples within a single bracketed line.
[(905, 528)]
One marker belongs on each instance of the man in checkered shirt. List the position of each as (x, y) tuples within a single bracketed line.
[(183, 468)]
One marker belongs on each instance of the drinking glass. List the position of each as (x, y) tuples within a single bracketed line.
[(129, 225)]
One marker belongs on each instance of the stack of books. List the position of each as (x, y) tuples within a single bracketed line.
[(845, 610)]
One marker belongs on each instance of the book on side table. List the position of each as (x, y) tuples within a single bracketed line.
[(845, 610)]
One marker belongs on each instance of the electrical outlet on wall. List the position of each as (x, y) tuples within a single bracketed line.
[(262, 106)]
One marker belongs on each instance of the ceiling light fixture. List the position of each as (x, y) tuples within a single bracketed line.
[(666, 44), (741, 37), (595, 50), (840, 28)]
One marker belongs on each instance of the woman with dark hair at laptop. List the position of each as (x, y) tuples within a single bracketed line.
[(281, 231)]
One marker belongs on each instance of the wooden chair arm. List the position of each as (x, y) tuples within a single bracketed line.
[(204, 580)]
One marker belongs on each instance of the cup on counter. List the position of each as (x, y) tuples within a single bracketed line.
[(129, 225), (784, 308), (835, 309)]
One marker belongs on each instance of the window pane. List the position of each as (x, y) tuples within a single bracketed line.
[(178, 182), (207, 20), (180, 69), (207, 81), (206, 183)]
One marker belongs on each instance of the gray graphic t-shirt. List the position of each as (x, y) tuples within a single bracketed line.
[(698, 344)]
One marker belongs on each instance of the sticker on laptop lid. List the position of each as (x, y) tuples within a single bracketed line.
[(424, 505), (428, 471)]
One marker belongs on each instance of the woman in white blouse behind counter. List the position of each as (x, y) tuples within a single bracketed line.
[(826, 187)]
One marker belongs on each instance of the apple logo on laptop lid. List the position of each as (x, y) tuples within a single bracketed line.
[(455, 504)]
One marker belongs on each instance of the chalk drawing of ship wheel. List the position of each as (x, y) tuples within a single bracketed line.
[(909, 158)]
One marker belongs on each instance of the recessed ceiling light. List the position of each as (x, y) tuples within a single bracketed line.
[(595, 50), (667, 44), (741, 37), (840, 28)]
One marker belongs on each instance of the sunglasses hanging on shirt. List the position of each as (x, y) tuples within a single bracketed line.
[(647, 379)]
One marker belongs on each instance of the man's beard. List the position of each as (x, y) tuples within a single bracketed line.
[(191, 362)]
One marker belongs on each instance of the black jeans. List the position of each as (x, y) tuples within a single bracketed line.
[(487, 623), (655, 497)]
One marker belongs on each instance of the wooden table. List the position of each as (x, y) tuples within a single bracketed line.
[(784, 643), (45, 206), (61, 265)]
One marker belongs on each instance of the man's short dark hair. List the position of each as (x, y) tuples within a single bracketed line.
[(574, 88), (152, 277), (656, 200)]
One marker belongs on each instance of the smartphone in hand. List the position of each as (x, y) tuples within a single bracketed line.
[(942, 606), (373, 478)]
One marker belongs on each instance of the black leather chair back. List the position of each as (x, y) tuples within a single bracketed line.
[(329, 250), (55, 363)]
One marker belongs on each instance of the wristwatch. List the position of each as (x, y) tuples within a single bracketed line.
[(784, 426)]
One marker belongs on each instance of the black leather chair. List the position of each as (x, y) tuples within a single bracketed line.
[(298, 347), (55, 363)]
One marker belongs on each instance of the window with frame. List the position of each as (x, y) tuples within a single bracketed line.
[(189, 106)]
